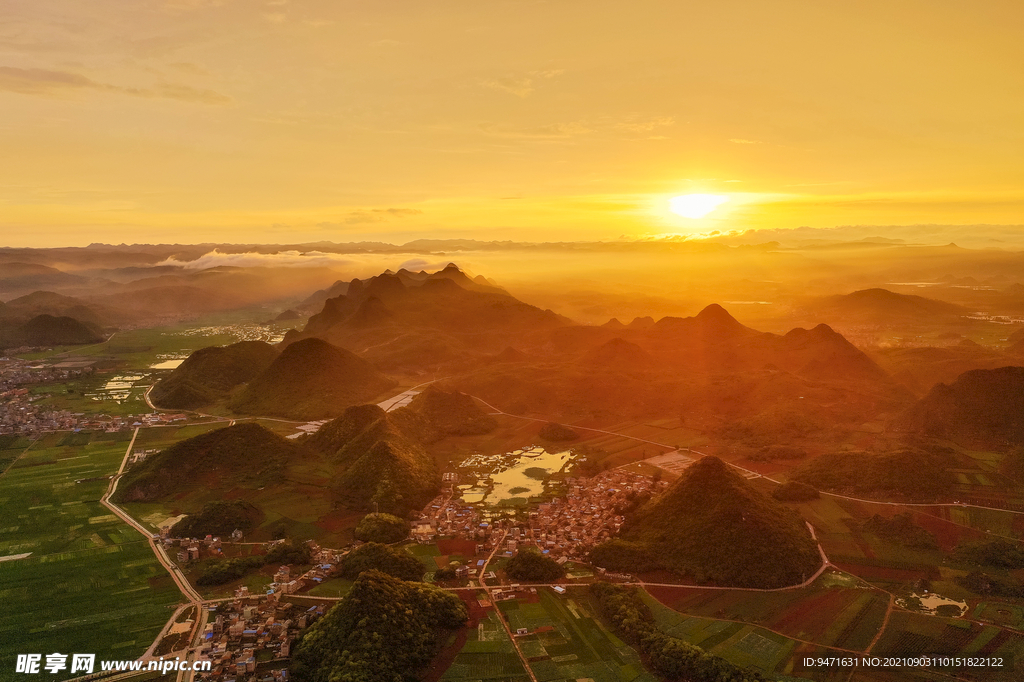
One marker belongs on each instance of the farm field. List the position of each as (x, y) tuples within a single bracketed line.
[(566, 642), (833, 612), (486, 654), (90, 583)]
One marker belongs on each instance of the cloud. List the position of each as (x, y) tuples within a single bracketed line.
[(48, 82), (739, 140), (520, 86), (373, 215), (283, 259), (613, 126)]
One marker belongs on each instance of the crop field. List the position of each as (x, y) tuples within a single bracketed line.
[(566, 642), (487, 654), (90, 583), (828, 613), (910, 633)]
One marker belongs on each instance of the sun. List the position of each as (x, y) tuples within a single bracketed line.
[(696, 205)]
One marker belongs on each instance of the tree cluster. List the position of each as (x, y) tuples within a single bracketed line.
[(385, 630), (901, 530), (999, 553), (530, 565), (382, 528), (374, 556)]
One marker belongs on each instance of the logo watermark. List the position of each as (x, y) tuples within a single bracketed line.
[(85, 664)]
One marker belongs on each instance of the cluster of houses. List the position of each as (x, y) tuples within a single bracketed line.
[(252, 629), (565, 527)]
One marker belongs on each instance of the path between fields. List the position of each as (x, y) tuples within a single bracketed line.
[(184, 586), (497, 611)]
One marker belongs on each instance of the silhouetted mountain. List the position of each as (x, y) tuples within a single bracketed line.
[(209, 374), (311, 379), (712, 525), (709, 363), (47, 330), (287, 315), (613, 324), (880, 306), (23, 277), (241, 456), (410, 320), (58, 305), (617, 353), (981, 405)]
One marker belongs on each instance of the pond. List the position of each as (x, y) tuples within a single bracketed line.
[(519, 474)]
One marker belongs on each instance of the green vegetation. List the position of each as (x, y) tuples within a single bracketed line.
[(444, 574), (794, 491), (91, 582), (711, 524), (218, 518), (221, 571), (434, 414), (998, 553), (902, 530), (530, 565), (384, 467), (377, 557), (557, 432), (910, 473), (622, 555), (209, 374), (772, 453), (226, 570), (382, 528), (311, 379), (986, 404), (385, 630), (243, 455), (668, 656), (289, 552)]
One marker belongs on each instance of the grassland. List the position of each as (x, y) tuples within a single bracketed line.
[(91, 584)]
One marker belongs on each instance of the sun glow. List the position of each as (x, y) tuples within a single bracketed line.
[(696, 206)]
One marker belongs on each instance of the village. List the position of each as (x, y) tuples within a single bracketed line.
[(564, 528)]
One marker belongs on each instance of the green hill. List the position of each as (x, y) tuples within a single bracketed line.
[(385, 630), (712, 525), (383, 466), (209, 374), (912, 474), (241, 456), (311, 379)]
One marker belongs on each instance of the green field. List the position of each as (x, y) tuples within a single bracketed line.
[(91, 583)]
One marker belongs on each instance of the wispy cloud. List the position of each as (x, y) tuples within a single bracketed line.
[(48, 82), (739, 140), (520, 85), (373, 215)]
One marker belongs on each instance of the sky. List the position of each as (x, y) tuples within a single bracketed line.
[(283, 121)]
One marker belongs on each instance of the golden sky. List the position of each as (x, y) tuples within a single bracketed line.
[(301, 120)]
